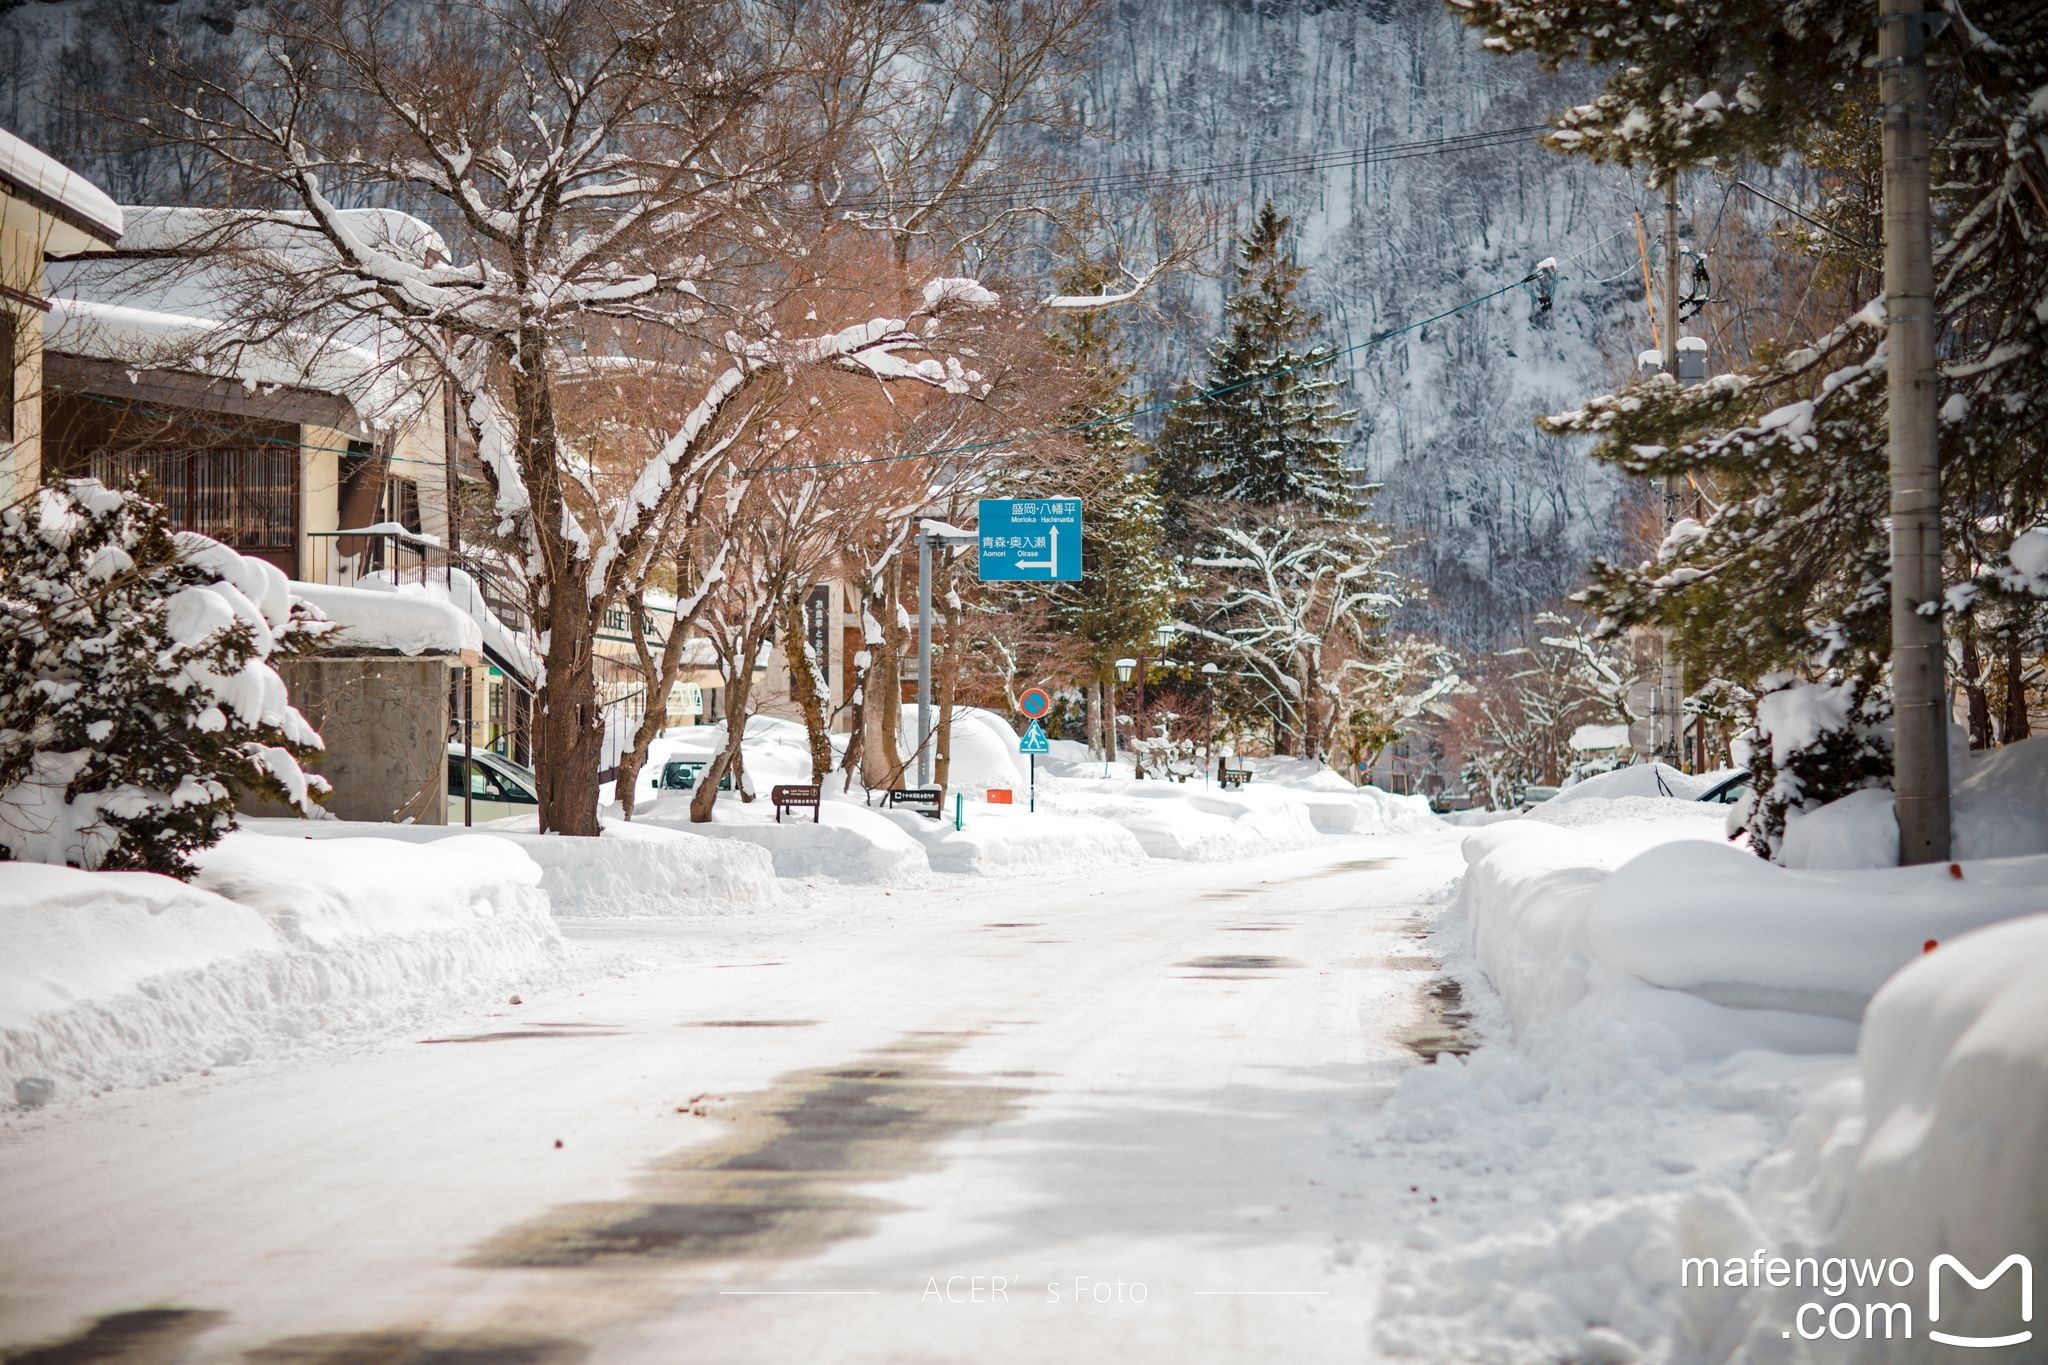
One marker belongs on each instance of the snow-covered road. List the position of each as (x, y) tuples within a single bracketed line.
[(1113, 1118)]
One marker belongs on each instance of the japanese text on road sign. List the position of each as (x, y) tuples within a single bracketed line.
[(1030, 540)]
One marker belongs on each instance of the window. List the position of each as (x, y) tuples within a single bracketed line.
[(246, 496)]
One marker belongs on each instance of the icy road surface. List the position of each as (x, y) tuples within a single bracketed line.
[(1118, 1118)]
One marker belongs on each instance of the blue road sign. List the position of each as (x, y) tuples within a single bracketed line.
[(1025, 540), (1034, 741)]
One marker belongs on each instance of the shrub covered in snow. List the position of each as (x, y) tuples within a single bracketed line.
[(135, 687), (1815, 742)]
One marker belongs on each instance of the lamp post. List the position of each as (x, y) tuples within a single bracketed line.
[(1124, 669), (1162, 636), (1209, 672)]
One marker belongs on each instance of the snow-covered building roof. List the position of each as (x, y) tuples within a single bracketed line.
[(84, 216), (1599, 739), (144, 339), (139, 307)]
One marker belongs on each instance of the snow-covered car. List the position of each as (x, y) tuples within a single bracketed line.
[(1734, 792), (498, 787), (1533, 797)]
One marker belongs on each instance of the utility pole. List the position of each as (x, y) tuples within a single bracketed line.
[(1920, 752), (1668, 712)]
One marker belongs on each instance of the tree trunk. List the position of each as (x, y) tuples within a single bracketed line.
[(738, 696), (806, 686), (949, 692), (882, 753), (1977, 704), (2015, 727), (568, 722)]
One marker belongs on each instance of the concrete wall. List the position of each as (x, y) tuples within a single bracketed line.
[(385, 721)]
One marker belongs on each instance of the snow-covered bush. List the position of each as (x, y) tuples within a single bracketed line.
[(135, 687), (1814, 743)]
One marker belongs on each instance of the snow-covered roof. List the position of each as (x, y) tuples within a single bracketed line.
[(514, 649), (1591, 739), (185, 316), (398, 619), (144, 339), (47, 184)]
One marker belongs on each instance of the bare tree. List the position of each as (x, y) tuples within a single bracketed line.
[(604, 180)]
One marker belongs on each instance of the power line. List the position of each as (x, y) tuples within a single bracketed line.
[(1315, 359)]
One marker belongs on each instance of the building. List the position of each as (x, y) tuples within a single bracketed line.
[(45, 208), (276, 446), (333, 455)]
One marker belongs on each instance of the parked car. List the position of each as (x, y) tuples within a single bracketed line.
[(680, 774), (498, 787), (1536, 796), (1733, 791)]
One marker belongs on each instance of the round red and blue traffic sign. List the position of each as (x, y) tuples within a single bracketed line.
[(1035, 703)]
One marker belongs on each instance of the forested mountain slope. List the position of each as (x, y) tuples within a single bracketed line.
[(1502, 520)]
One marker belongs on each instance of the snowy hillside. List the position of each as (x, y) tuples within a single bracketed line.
[(1503, 519)]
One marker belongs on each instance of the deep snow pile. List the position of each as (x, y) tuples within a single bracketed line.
[(118, 979), (1187, 823), (1671, 1069), (633, 869), (1998, 807), (848, 842), (1013, 841)]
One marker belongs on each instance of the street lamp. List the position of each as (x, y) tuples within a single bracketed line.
[(1209, 672), (1124, 668)]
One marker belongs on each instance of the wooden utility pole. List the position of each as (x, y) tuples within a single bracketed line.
[(1920, 753), (1669, 739)]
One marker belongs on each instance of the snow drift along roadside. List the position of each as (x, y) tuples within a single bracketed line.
[(118, 979), (633, 869)]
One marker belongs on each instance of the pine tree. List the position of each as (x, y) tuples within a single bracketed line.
[(1789, 568), (1129, 584), (135, 688), (1259, 440)]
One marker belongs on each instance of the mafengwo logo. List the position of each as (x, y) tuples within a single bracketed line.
[(2012, 1262)]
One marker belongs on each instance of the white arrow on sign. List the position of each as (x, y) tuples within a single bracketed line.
[(1052, 560)]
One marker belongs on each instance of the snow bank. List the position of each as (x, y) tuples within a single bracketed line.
[(1999, 809), (1640, 779), (1668, 1075), (1726, 926), (998, 840), (1938, 1146), (848, 843), (1555, 914), (633, 869), (1174, 820), (119, 979)]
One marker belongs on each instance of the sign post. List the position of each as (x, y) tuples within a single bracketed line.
[(1021, 540), (1033, 744)]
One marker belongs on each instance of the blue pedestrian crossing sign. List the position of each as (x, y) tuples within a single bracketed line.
[(1034, 741), (1027, 540)]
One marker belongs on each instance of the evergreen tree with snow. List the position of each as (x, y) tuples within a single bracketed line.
[(136, 694), (1271, 429), (1129, 584), (1788, 567)]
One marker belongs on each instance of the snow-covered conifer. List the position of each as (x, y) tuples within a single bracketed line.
[(136, 693), (1258, 439)]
